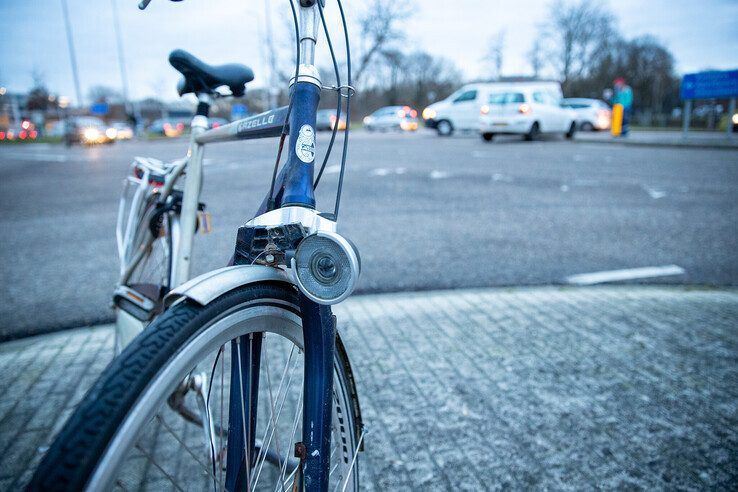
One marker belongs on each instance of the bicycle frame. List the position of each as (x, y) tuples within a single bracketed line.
[(293, 187)]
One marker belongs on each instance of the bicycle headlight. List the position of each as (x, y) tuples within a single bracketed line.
[(326, 267)]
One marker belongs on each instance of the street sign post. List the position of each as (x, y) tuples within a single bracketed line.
[(238, 111), (708, 85), (99, 109)]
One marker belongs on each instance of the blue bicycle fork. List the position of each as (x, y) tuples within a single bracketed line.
[(319, 335), (294, 187)]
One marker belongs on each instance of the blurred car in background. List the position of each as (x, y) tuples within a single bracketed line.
[(402, 118), (217, 122), (86, 130), (169, 127), (592, 114), (526, 109), (24, 132), (123, 131), (326, 120), (460, 110)]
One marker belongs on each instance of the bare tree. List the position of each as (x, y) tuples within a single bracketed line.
[(580, 32), (379, 29), (428, 78), (535, 56), (104, 94), (496, 52), (38, 96), (414, 79)]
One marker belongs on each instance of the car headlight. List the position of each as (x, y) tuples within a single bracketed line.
[(111, 133), (735, 119), (91, 134), (429, 114)]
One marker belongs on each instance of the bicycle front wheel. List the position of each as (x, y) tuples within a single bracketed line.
[(162, 416)]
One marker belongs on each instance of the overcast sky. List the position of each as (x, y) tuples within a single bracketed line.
[(701, 34)]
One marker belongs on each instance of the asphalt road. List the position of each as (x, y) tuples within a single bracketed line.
[(426, 213)]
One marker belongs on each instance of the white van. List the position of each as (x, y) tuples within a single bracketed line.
[(485, 108)]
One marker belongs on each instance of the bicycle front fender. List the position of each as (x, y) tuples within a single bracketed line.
[(209, 286)]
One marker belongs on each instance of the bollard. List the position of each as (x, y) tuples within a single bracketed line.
[(617, 120)]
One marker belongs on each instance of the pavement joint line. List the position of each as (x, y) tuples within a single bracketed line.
[(587, 335), (487, 376), (623, 364), (624, 274), (370, 370), (429, 368), (69, 397), (454, 366), (414, 383), (535, 354)]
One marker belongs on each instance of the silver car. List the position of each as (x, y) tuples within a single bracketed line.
[(402, 118), (592, 114)]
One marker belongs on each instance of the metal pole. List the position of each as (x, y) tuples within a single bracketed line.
[(731, 112), (687, 116), (72, 56), (272, 56), (121, 55)]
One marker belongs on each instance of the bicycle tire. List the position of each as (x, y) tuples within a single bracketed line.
[(85, 440)]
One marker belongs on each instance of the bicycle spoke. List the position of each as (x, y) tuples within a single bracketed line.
[(298, 416), (184, 446), (353, 461), (275, 418), (273, 415), (162, 470)]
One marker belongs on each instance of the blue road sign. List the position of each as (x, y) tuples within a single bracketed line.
[(100, 109), (238, 111), (710, 85)]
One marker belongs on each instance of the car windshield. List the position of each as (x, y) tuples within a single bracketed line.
[(506, 97), (389, 111)]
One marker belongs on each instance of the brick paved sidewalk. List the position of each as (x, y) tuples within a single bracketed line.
[(558, 388)]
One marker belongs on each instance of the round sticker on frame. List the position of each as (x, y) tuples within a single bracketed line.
[(305, 146)]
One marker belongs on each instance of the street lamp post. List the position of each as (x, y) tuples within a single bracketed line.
[(72, 55), (273, 93), (121, 55)]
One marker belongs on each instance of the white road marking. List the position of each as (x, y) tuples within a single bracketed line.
[(654, 192), (332, 169), (379, 172), (439, 174), (502, 177), (627, 274)]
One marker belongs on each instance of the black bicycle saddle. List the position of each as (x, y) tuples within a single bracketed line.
[(200, 77)]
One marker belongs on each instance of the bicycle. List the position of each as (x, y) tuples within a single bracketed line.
[(251, 347)]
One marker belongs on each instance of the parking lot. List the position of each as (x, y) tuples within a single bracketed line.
[(426, 213)]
